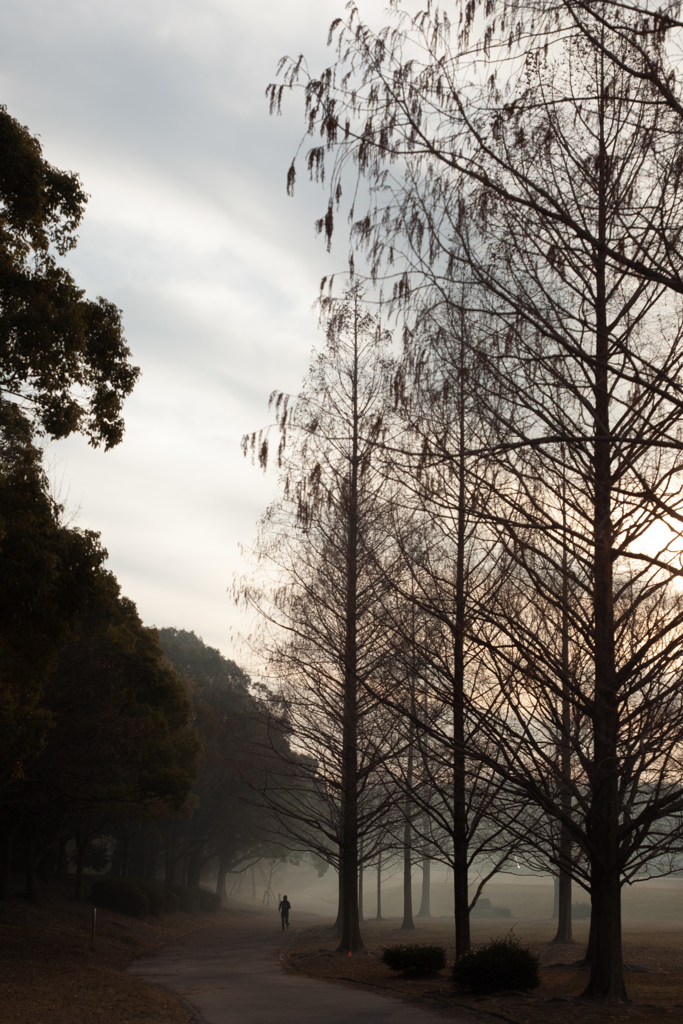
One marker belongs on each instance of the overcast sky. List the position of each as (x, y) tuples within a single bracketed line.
[(159, 106)]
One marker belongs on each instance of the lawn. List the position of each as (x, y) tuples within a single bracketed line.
[(653, 954)]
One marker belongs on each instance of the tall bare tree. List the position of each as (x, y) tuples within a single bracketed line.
[(317, 550)]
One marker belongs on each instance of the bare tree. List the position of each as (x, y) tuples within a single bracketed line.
[(317, 596)]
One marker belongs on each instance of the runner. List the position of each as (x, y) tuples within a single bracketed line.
[(284, 909)]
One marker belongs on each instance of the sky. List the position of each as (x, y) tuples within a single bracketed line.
[(159, 106)]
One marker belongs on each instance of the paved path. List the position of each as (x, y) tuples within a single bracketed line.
[(230, 974)]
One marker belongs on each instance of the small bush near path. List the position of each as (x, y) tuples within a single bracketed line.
[(499, 966), (415, 961)]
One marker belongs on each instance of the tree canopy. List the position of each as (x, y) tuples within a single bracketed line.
[(62, 356)]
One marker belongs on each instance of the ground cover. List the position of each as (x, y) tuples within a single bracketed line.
[(654, 978), (50, 973)]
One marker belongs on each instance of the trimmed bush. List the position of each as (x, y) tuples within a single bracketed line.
[(415, 961), (581, 911), (122, 894), (500, 965)]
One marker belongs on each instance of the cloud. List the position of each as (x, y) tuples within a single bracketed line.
[(159, 105)]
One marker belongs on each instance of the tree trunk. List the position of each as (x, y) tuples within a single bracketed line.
[(563, 879), (31, 874), (221, 890), (125, 851), (606, 978), (82, 838), (425, 904), (6, 850), (460, 839), (194, 870), (408, 925), (351, 940), (563, 883), (337, 926), (378, 915), (62, 871)]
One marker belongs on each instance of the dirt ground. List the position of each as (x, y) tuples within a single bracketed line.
[(654, 977), (51, 974)]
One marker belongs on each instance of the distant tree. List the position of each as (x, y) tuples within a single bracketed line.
[(230, 825), (121, 742), (62, 356)]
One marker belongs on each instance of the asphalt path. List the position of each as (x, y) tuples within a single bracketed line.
[(232, 974)]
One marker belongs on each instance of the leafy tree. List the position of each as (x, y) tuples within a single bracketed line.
[(61, 355), (121, 741), (48, 573), (230, 824)]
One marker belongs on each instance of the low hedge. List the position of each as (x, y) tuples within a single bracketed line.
[(499, 966), (122, 894), (415, 961)]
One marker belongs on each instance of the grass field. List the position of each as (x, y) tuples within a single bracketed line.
[(653, 952)]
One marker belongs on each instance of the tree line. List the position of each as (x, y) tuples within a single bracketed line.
[(469, 587), (122, 748)]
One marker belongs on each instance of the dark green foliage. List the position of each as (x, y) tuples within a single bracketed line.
[(415, 961), (500, 965), (49, 574), (122, 894)]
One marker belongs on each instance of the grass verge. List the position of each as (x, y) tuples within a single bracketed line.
[(51, 974)]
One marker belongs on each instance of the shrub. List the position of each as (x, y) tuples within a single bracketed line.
[(501, 964), (121, 894), (172, 900), (156, 896), (208, 900), (188, 898), (581, 910), (417, 961)]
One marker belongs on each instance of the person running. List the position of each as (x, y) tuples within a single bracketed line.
[(284, 908)]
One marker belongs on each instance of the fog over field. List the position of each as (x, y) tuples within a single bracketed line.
[(656, 903)]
